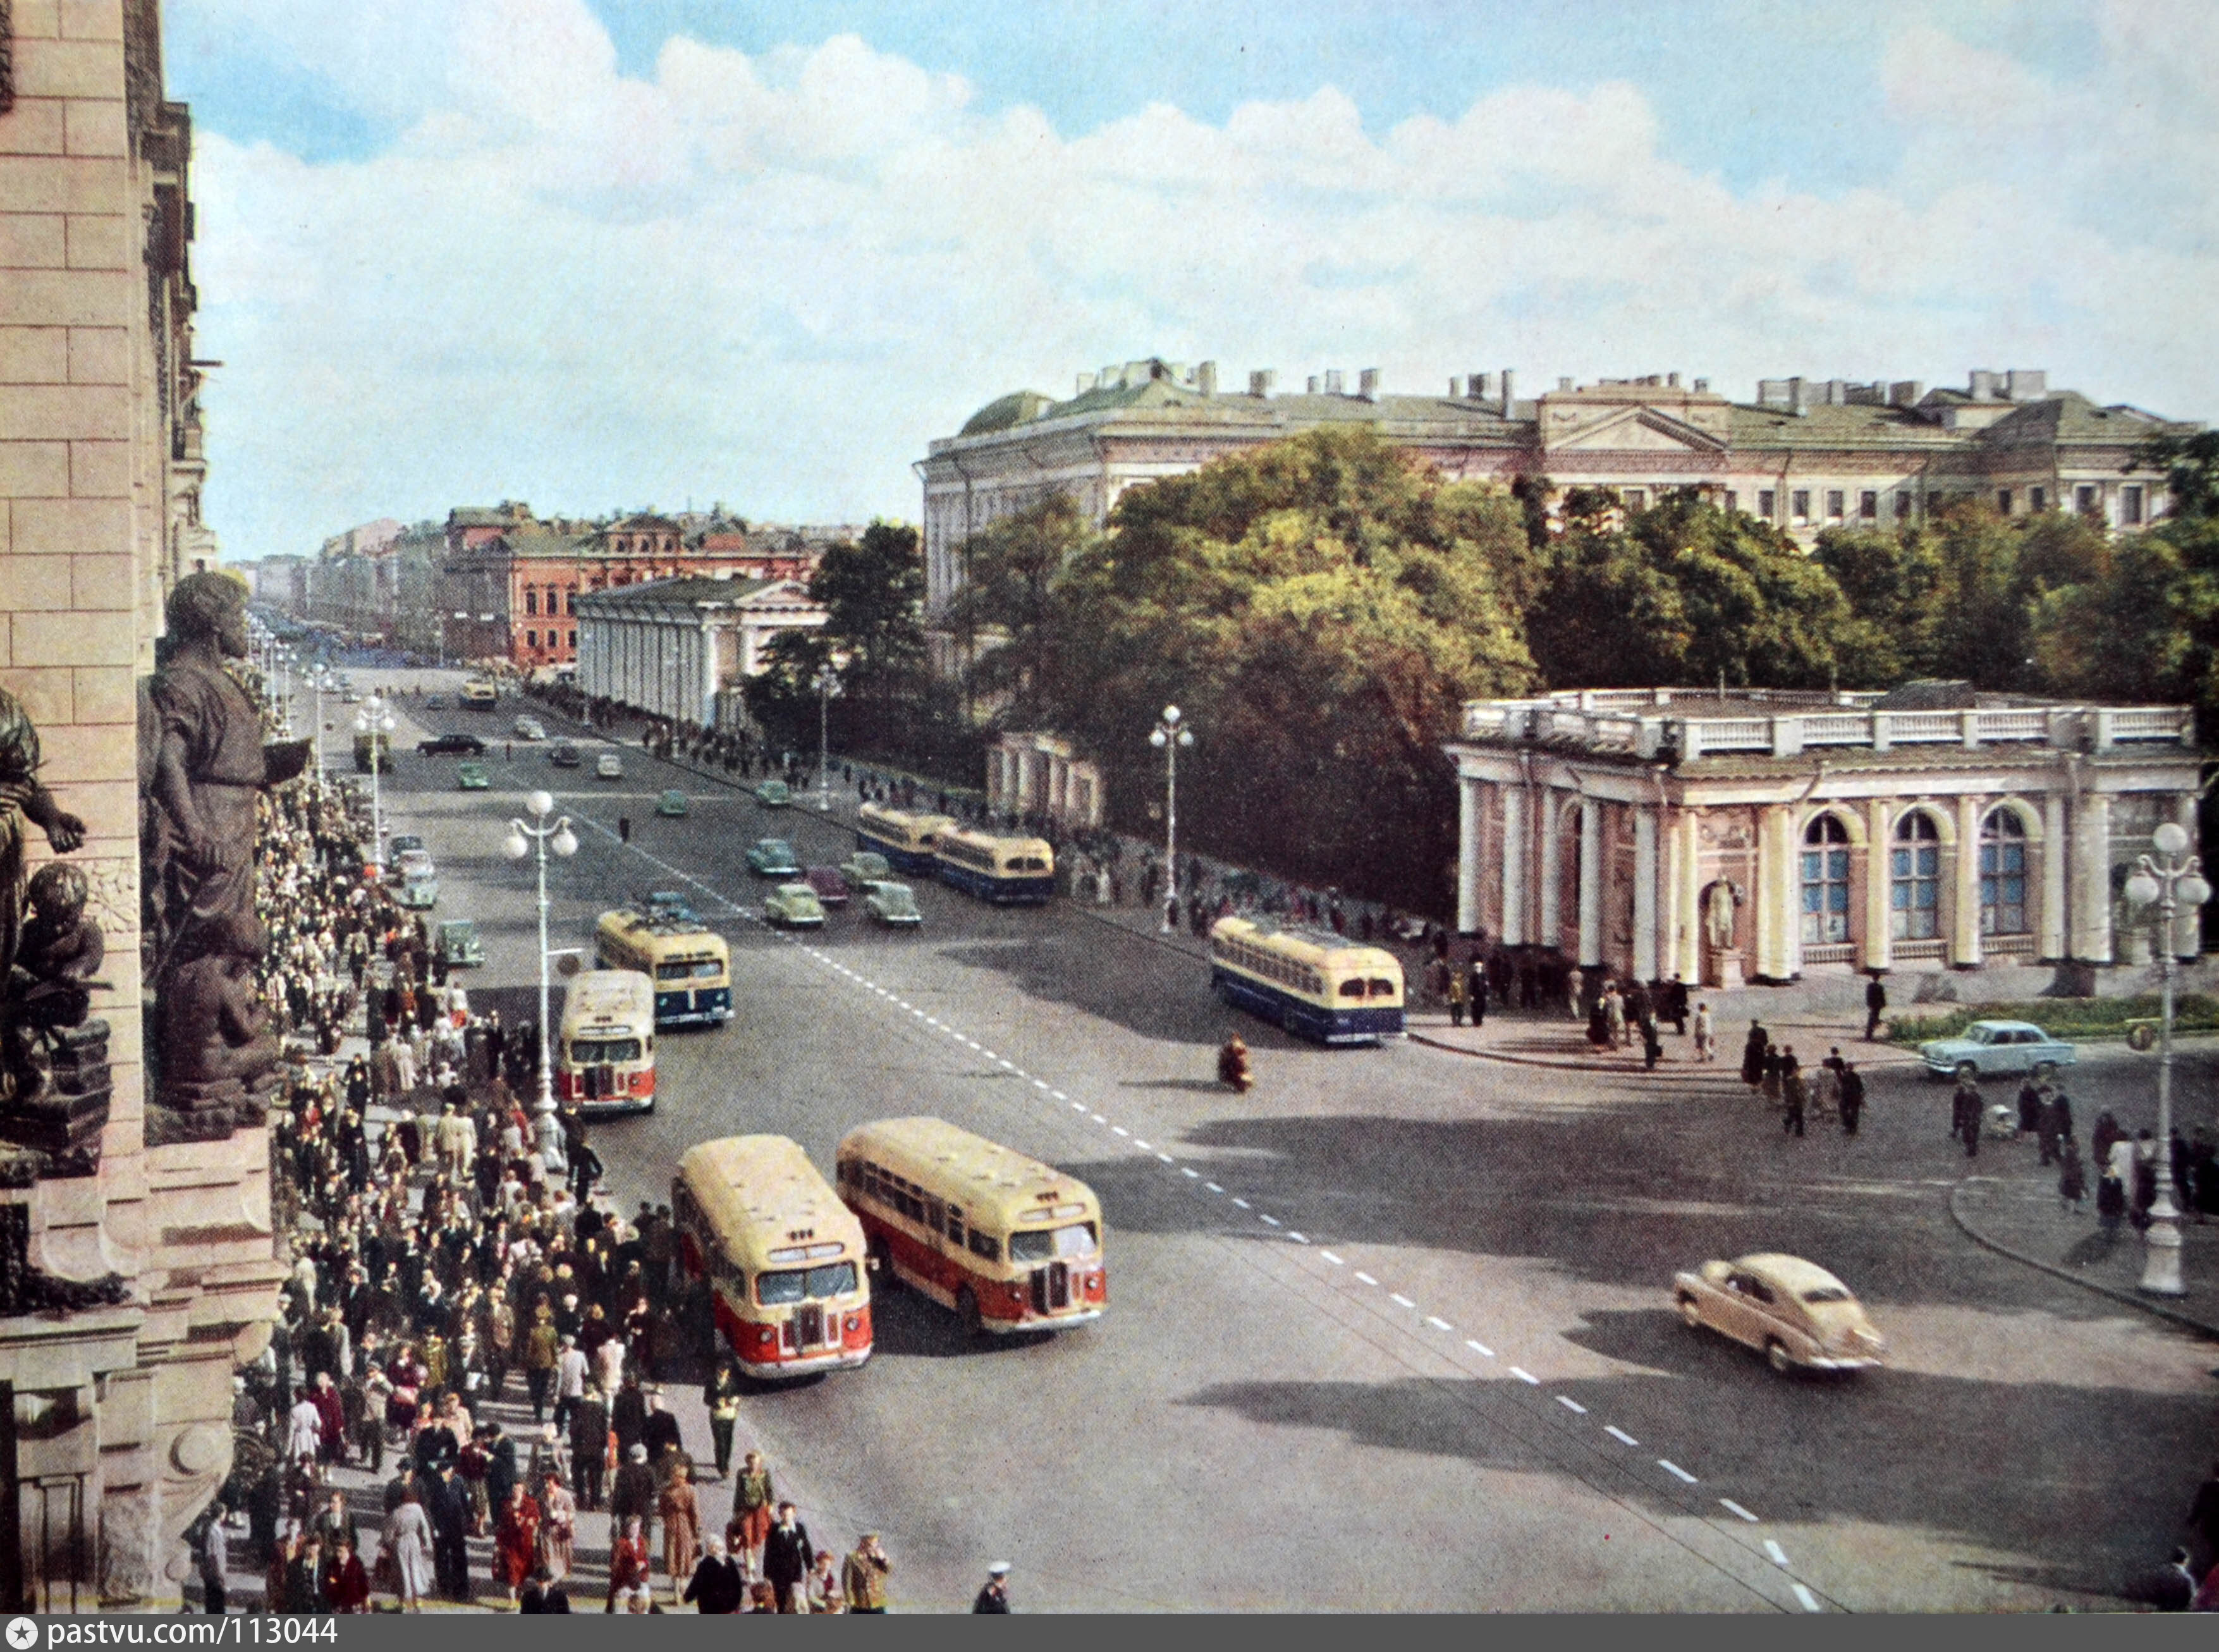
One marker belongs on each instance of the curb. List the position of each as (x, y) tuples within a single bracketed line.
[(2185, 1321)]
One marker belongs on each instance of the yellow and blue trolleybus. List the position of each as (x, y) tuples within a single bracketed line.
[(1314, 984), (908, 841), (1005, 871)]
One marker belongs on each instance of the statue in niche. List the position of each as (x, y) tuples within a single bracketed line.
[(209, 767), (1721, 901)]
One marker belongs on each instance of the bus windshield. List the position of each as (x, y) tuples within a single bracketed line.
[(586, 1051), (805, 1285), (705, 969), (1077, 1240)]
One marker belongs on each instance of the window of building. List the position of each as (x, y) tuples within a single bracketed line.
[(571, 601), (1825, 880), (1914, 879), (1799, 506), (1733, 502), (2003, 500), (573, 639), (2003, 874), (531, 600), (1903, 505), (1636, 498), (1835, 498), (1768, 503), (2037, 498), (2088, 501), (532, 639), (2130, 504), (1868, 506)]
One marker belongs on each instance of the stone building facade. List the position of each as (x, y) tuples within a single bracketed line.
[(1036, 773), (1761, 835), (674, 647), (133, 1275), (1804, 454)]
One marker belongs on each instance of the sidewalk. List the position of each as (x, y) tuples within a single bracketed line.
[(2018, 1214)]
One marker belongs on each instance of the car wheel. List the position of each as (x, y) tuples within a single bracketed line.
[(966, 1310), (1967, 1070), (1776, 1354), (1691, 1313)]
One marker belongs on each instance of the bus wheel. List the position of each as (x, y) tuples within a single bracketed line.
[(884, 1279), (966, 1309)]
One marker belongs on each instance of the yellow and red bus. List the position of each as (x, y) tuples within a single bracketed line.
[(783, 1257), (1007, 1242), (605, 1061)]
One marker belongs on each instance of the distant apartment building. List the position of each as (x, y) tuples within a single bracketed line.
[(1805, 455)]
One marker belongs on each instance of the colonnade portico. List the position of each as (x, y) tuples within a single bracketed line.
[(1040, 774), (1758, 835)]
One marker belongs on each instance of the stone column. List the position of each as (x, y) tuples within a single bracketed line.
[(1880, 930), (2053, 876), (709, 635), (2188, 924), (1776, 928), (1467, 911), (1590, 883), (1687, 878), (1517, 812), (1553, 879), (2091, 880), (1965, 930), (1644, 892)]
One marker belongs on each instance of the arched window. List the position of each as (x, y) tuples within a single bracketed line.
[(531, 600), (2003, 874), (1826, 881), (1914, 879)]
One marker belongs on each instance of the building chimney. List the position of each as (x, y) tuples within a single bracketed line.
[(1672, 380), (1837, 394), (1702, 387), (1479, 387), (1771, 393), (1107, 378), (1904, 393), (1313, 384), (1983, 385), (1367, 383), (1509, 393), (2022, 384), (1563, 382), (1332, 381), (1086, 382), (1260, 381), (1798, 398), (1205, 378)]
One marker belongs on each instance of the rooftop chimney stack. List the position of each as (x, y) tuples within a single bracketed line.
[(2024, 384), (1771, 393), (1983, 386), (1367, 383), (1702, 387), (1672, 380), (1334, 382), (1313, 384), (1479, 387), (1837, 394), (1509, 393), (1205, 378), (1086, 382), (1904, 393), (1798, 398), (1260, 381)]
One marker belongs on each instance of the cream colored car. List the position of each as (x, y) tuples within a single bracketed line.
[(1792, 1311)]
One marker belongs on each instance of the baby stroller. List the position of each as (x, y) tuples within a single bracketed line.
[(2002, 1122)]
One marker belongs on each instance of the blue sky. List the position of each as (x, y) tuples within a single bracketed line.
[(593, 254)]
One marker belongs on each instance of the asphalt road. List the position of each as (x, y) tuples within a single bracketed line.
[(1392, 1331)]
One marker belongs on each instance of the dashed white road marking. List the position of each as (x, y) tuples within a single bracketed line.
[(1396, 1297), (1078, 1107), (1673, 1468), (1040, 1083), (1213, 1187), (1330, 1258), (1439, 1323), (1525, 1375), (1058, 1094), (1366, 1278), (1779, 1555), (1297, 1237), (1810, 1601), (1189, 1171), (1119, 1130), (1271, 1220), (1619, 1434), (1142, 1146), (1737, 1509), (1570, 1404), (1242, 1203), (1479, 1348), (1097, 1118), (1166, 1157)]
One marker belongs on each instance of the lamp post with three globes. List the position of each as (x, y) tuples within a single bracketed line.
[(2167, 882), (547, 1131)]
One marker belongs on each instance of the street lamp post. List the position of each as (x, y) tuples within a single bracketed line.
[(320, 678), (827, 685), (375, 720), (2168, 882), (547, 1131), (1167, 738)]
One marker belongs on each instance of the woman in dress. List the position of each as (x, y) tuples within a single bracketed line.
[(627, 1564), (558, 1527), (681, 1525), (405, 1543), (516, 1540)]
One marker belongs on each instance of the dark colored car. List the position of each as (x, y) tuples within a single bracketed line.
[(562, 754), (831, 888), (439, 745)]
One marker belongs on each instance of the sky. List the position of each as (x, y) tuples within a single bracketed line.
[(603, 256)]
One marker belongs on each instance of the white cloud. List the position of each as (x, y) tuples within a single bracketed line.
[(773, 279)]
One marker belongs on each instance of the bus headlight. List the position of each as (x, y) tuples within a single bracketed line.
[(854, 1323)]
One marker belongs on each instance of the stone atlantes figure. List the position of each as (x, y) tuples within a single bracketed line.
[(23, 799)]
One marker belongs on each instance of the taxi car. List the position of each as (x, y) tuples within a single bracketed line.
[(1992, 1048), (773, 857), (472, 776), (891, 904), (831, 888), (458, 944), (774, 794), (1793, 1312), (608, 766), (794, 906), (866, 866), (672, 804)]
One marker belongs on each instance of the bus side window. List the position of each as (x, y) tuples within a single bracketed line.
[(1353, 988), (933, 1217), (1382, 988), (985, 1245), (955, 1226)]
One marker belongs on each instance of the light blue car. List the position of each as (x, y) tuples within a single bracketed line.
[(1996, 1049), (773, 857)]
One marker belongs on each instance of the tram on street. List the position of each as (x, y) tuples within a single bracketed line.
[(1007, 1242), (1314, 984), (907, 840), (690, 963), (781, 1256), (605, 1060), (1005, 871)]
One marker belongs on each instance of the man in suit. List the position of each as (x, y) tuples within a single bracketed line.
[(787, 1557), (635, 1493), (448, 1505)]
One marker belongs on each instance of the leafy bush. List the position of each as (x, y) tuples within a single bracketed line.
[(2066, 1018)]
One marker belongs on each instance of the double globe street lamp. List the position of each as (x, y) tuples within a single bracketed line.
[(375, 721), (827, 684), (1168, 737), (546, 1129), (2168, 883)]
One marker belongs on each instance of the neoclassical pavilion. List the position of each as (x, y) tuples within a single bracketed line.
[(1759, 834)]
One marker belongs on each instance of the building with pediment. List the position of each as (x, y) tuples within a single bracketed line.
[(1761, 835), (1804, 454)]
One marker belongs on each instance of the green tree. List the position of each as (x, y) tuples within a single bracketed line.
[(874, 596), (1010, 608), (2190, 464)]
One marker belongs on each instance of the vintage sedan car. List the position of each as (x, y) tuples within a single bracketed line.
[(435, 702), (608, 766), (417, 894), (773, 857), (401, 843), (1792, 1311), (774, 794), (672, 804), (891, 904), (528, 728), (866, 866), (458, 944), (562, 754), (1989, 1049), (831, 888), (794, 906), (472, 776), (442, 745)]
